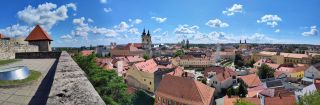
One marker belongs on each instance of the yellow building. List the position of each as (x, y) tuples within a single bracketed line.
[(283, 58), (296, 72), (146, 75)]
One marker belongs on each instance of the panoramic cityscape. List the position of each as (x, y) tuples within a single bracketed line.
[(159, 52)]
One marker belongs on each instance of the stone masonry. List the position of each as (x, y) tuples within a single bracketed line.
[(8, 48), (71, 86)]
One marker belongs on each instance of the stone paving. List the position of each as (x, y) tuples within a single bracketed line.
[(22, 95)]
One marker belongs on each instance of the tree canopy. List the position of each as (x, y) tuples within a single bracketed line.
[(146, 56), (265, 72), (310, 99), (242, 102), (179, 53), (238, 61), (107, 83)]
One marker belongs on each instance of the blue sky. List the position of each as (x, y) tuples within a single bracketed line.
[(84, 22)]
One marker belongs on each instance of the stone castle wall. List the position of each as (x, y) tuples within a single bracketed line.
[(8, 48), (71, 86)]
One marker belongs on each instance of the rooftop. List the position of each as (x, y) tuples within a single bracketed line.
[(251, 80), (185, 90), (289, 55), (38, 34)]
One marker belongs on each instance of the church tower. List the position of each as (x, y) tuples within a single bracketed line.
[(146, 42)]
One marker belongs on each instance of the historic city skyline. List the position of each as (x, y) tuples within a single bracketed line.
[(81, 23)]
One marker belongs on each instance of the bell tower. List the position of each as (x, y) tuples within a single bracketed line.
[(146, 42)]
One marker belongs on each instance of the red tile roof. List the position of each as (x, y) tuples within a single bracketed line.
[(251, 80), (38, 34), (227, 73), (186, 90), (147, 66), (283, 100), (216, 69), (2, 36), (138, 45), (86, 52), (177, 72)]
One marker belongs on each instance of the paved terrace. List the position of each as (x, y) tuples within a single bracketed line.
[(24, 94), (62, 83)]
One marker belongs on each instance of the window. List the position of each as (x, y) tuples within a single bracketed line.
[(144, 79), (150, 83), (169, 102), (148, 88)]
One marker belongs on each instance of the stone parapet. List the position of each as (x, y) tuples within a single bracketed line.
[(71, 86)]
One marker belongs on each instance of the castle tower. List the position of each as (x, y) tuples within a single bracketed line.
[(40, 38)]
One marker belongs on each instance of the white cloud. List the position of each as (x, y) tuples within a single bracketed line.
[(123, 26), (103, 1), (107, 10), (277, 30), (80, 21), (157, 30), (125, 36), (137, 21), (313, 31), (66, 37), (82, 28), (90, 20), (133, 31), (104, 31), (46, 15), (236, 8), (72, 5), (216, 23), (186, 29), (271, 20), (16, 30), (216, 35), (159, 19)]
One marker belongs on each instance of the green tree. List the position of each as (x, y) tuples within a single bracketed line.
[(242, 89), (310, 99), (230, 92), (242, 102), (250, 63), (146, 56), (179, 53), (238, 61), (107, 83), (265, 72)]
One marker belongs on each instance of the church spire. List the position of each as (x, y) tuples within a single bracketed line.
[(144, 31), (148, 33)]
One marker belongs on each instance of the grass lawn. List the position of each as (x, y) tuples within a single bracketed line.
[(34, 75), (3, 62)]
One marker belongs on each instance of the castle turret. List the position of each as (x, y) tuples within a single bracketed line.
[(40, 38)]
